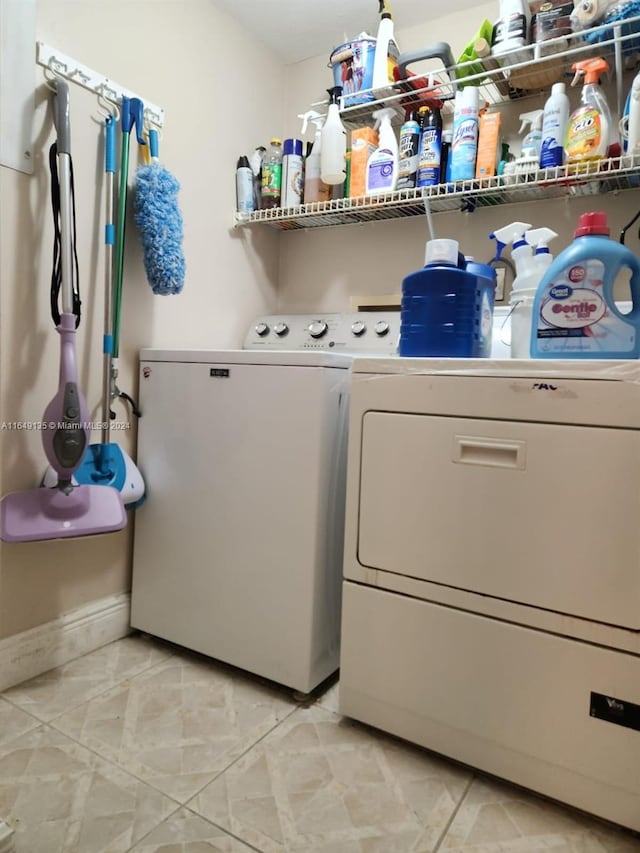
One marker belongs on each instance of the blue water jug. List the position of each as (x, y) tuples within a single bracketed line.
[(447, 307)]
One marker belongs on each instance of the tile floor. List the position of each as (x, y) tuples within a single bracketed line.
[(142, 747)]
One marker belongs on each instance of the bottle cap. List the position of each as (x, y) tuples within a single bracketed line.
[(592, 223), (558, 89), (243, 163), (275, 141), (292, 146), (442, 252)]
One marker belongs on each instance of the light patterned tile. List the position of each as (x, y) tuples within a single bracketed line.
[(498, 818), (13, 722), (62, 798), (322, 784), (179, 724), (330, 699), (64, 687), (185, 832)]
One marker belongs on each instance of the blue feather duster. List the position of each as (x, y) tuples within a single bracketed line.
[(159, 221)]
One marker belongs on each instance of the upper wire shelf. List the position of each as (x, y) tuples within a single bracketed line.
[(523, 72)]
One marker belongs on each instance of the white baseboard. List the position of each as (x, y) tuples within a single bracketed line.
[(6, 838), (71, 635)]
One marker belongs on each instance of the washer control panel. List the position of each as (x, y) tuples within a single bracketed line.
[(363, 332)]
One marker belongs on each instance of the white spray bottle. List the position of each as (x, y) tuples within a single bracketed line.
[(524, 289), (513, 235), (314, 188), (382, 165), (529, 158), (333, 151)]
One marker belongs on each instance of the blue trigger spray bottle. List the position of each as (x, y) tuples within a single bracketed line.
[(574, 313)]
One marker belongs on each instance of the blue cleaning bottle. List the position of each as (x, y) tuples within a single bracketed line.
[(574, 313)]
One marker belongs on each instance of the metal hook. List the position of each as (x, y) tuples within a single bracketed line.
[(50, 81)]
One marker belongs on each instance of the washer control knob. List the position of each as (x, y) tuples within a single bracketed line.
[(262, 329), (281, 329), (318, 328), (381, 328), (358, 328)]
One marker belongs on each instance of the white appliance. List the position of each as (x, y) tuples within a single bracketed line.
[(491, 596), (238, 548)]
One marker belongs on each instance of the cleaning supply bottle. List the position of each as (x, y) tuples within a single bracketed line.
[(333, 151), (446, 308), (554, 127), (385, 59), (430, 154), (272, 174), (591, 134), (291, 195), (574, 312), (382, 165), (244, 188), (314, 189), (464, 145), (408, 151), (532, 142), (511, 30), (524, 288), (632, 119)]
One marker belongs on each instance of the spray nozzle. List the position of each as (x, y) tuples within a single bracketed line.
[(311, 116), (508, 234), (533, 118), (381, 115), (591, 68), (540, 238), (384, 9), (335, 93)]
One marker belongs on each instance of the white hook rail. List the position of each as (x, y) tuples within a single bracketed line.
[(64, 66)]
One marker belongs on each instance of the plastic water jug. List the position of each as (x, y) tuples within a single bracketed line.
[(447, 307)]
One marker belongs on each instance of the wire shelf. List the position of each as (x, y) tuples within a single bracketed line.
[(593, 178)]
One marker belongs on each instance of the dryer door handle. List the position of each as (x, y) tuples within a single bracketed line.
[(488, 451)]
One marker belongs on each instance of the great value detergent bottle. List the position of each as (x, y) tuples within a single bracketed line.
[(574, 314)]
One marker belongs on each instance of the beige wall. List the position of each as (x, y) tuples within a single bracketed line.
[(321, 269), (221, 92)]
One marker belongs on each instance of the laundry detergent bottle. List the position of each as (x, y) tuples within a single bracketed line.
[(574, 314)]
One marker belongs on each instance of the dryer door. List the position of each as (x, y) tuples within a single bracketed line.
[(545, 515)]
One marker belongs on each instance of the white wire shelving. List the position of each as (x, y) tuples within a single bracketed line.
[(524, 72)]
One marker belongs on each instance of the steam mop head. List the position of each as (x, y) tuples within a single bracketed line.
[(158, 217)]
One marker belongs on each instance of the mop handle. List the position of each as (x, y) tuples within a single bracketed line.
[(62, 124), (109, 240)]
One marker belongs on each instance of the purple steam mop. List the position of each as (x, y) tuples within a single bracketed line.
[(65, 510)]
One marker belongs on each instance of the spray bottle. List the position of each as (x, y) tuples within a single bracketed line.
[(521, 251), (631, 119), (382, 165), (531, 143), (385, 59), (591, 132), (524, 289), (314, 188), (333, 150)]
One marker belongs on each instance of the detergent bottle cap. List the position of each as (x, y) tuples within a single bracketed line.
[(540, 238), (591, 68), (442, 251), (508, 234), (593, 223)]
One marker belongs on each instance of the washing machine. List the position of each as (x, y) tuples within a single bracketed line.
[(491, 595), (238, 547)]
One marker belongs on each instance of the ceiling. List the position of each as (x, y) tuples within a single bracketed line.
[(299, 29)]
